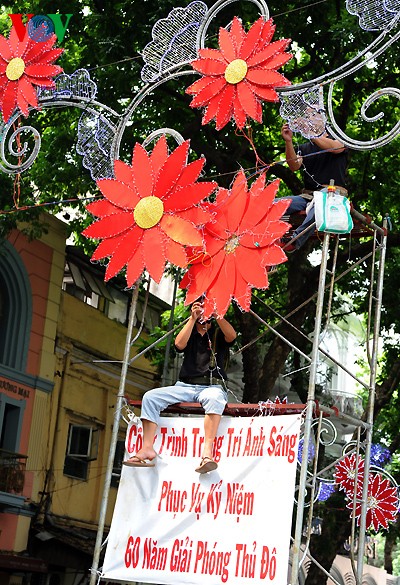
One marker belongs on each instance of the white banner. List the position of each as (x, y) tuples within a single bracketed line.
[(172, 525)]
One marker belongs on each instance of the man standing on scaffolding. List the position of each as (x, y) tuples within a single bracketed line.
[(205, 346), (321, 160)]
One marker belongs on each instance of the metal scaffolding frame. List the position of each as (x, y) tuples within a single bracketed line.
[(300, 549)]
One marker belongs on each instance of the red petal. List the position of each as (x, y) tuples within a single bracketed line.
[(9, 100), (26, 89), (191, 172), (37, 50), (209, 66), (42, 70), (203, 274), (247, 99), (238, 113), (222, 197), (267, 32), (213, 54), (249, 264), (196, 215), (22, 104), (212, 89), (218, 228), (209, 307), (237, 33), (237, 202), (278, 209), (142, 170), (242, 292), (225, 106), (278, 61), (198, 85), (211, 110), (51, 56), (257, 206), (221, 290), (227, 45), (252, 39), (269, 77), (102, 207), (106, 248), (181, 231), (171, 171), (42, 82), (265, 234), (265, 93), (5, 51), (175, 253), (22, 46), (110, 226), (214, 244), (123, 172), (154, 253), (188, 196), (159, 154), (121, 195), (126, 248), (269, 51), (268, 193), (13, 39), (274, 255), (135, 268)]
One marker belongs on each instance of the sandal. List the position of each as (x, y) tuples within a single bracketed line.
[(136, 461), (206, 464)]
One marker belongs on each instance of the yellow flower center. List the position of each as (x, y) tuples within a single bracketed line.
[(236, 71), (15, 68), (148, 212), (231, 244)]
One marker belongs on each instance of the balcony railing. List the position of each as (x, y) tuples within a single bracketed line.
[(12, 472)]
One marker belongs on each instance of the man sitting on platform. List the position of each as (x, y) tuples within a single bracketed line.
[(202, 378)]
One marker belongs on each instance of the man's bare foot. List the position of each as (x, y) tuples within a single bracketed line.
[(147, 454), (143, 458)]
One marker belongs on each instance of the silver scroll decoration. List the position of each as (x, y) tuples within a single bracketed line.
[(305, 112)]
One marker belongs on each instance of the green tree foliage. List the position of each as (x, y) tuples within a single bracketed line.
[(107, 37)]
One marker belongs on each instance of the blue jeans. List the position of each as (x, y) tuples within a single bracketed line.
[(299, 203), (212, 398)]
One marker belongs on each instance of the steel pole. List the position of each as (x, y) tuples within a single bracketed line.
[(371, 404), (114, 438), (309, 414)]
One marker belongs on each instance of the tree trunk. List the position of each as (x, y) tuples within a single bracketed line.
[(251, 361)]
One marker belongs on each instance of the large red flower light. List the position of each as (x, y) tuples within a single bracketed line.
[(24, 65), (240, 74), (346, 472), (240, 245), (382, 503), (150, 212)]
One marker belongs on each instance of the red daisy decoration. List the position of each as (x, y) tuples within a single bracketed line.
[(149, 212), (240, 243), (382, 503), (24, 65), (240, 74), (346, 471)]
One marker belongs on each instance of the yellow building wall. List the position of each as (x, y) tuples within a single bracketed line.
[(40, 440), (86, 393)]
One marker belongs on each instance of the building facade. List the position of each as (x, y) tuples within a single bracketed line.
[(62, 338)]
